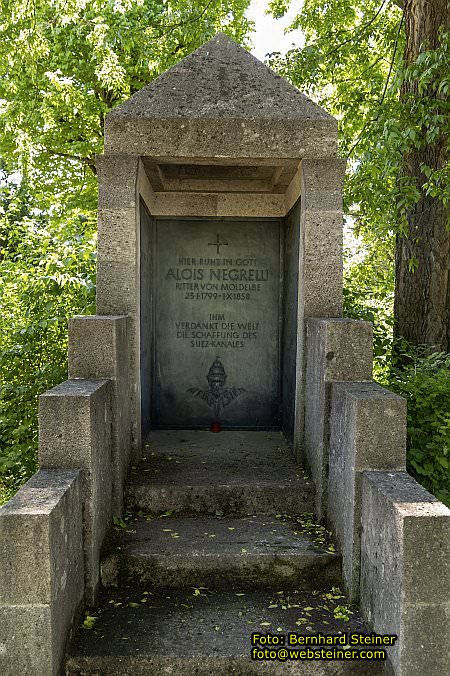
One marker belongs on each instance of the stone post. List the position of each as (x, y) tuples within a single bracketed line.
[(75, 433), (118, 273), (405, 571), (367, 432), (320, 260), (98, 348), (337, 350), (41, 573)]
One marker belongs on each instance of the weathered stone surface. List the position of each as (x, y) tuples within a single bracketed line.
[(206, 634), (216, 304), (75, 432), (118, 294), (290, 333), (201, 665), (337, 350), (323, 183), (117, 235), (231, 472), (98, 348), (220, 79), (117, 181), (41, 572), (117, 288), (320, 263), (248, 552), (220, 100), (405, 570), (367, 432)]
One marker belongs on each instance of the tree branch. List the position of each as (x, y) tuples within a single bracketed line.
[(89, 161), (184, 23), (374, 119), (358, 29)]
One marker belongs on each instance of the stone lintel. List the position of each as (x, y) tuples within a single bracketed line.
[(221, 137)]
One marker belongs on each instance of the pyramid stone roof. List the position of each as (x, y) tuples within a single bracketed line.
[(218, 91)]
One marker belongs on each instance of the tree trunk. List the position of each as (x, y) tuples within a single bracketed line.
[(422, 293)]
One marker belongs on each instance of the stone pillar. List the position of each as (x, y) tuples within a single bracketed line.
[(41, 572), (118, 273), (75, 433), (367, 432), (337, 350), (405, 571), (320, 260), (98, 348)]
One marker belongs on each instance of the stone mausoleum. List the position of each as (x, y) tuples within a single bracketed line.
[(218, 396)]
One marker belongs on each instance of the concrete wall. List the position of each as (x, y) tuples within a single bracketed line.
[(52, 531), (118, 274), (320, 261), (146, 315), (41, 572), (290, 312)]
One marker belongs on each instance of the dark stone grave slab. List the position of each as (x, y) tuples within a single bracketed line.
[(216, 341)]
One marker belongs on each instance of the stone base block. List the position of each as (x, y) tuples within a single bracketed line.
[(337, 349), (367, 432), (41, 572), (75, 432), (98, 348), (405, 571)]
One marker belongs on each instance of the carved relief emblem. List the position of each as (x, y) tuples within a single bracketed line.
[(217, 396)]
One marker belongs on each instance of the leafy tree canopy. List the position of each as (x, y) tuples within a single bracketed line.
[(352, 64), (63, 65)]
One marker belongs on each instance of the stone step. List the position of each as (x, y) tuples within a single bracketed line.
[(198, 472), (194, 551), (206, 631)]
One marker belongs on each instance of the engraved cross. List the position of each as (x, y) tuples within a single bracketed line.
[(218, 244)]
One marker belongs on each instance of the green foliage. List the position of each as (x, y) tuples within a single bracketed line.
[(369, 295), (359, 304), (63, 66), (425, 383), (48, 274), (352, 65)]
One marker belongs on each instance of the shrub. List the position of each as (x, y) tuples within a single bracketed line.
[(48, 278), (425, 383)]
